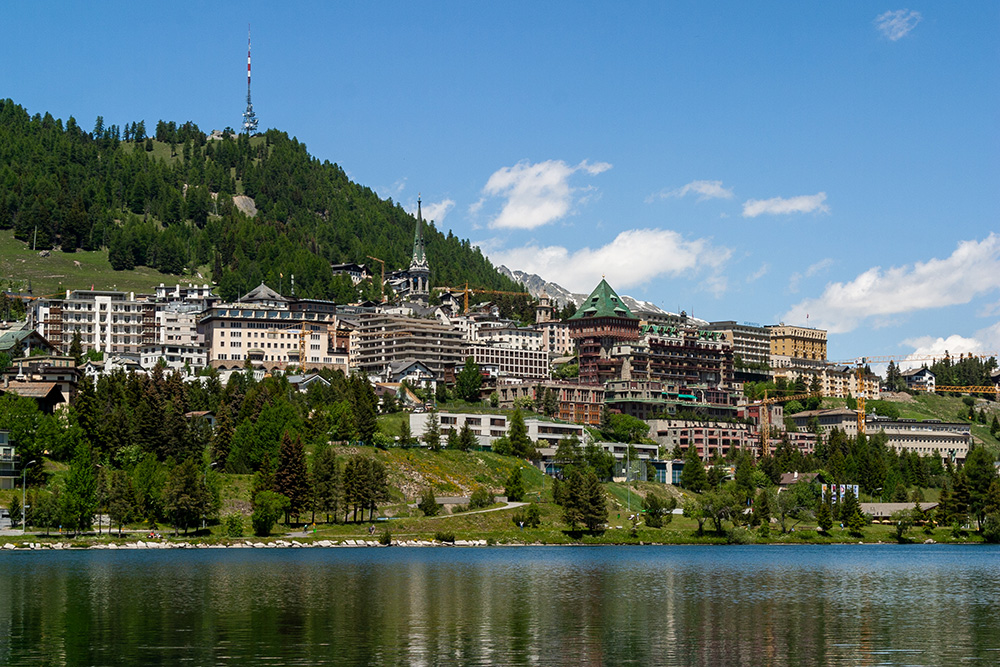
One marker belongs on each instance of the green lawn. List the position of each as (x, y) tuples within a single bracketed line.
[(53, 275)]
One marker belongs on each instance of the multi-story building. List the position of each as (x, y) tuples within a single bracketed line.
[(834, 381), (577, 403), (107, 321), (497, 360), (797, 342), (751, 343), (556, 339), (489, 427), (380, 340), (951, 440), (9, 462), (602, 322), (264, 329)]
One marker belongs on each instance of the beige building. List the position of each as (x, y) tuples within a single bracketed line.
[(264, 329), (107, 321), (751, 343), (381, 340), (797, 342)]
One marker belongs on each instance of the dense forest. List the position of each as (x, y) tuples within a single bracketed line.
[(165, 201)]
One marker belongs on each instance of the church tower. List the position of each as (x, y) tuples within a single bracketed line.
[(419, 272)]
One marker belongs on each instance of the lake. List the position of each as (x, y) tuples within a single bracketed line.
[(673, 605)]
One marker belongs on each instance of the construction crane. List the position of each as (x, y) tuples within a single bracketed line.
[(765, 415), (478, 291), (381, 284), (862, 362)]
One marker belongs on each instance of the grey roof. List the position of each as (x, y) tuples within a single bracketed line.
[(263, 293), (915, 371)]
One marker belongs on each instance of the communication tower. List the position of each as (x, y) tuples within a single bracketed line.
[(249, 118)]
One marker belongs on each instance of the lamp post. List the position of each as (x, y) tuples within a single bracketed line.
[(24, 492)]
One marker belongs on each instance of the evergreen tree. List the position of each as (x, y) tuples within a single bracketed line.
[(185, 496), (693, 476), (595, 511), (466, 438), (432, 432), (520, 443), (468, 382), (428, 503), (292, 478), (79, 500), (515, 486), (326, 482), (123, 504)]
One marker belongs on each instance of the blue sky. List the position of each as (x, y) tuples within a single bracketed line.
[(831, 166)]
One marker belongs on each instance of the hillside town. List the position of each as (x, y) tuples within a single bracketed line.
[(685, 378)]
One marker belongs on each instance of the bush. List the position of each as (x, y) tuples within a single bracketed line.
[(991, 528), (268, 508), (385, 538), (232, 525), (429, 504), (739, 535), (445, 537), (481, 498)]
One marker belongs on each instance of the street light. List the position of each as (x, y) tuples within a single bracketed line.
[(24, 489)]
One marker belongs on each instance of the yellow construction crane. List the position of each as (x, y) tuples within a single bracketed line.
[(862, 362), (381, 284), (765, 415), (478, 291)]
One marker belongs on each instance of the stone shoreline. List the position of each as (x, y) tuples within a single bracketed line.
[(245, 544)]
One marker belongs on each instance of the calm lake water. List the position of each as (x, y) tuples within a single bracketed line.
[(757, 605)]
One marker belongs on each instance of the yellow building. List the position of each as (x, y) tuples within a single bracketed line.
[(797, 342)]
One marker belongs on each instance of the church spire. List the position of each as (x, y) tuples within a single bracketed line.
[(419, 272)]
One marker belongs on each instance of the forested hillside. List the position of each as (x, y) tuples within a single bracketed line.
[(166, 201)]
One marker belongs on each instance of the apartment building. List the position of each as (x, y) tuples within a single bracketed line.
[(381, 339), (489, 427), (577, 403), (797, 342), (950, 439), (751, 342), (9, 462), (264, 329), (107, 321)]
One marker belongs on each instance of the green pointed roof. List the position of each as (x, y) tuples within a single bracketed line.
[(603, 302)]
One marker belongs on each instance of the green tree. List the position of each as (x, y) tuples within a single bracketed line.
[(515, 486), (693, 476), (980, 473), (268, 507), (185, 496), (292, 478), (79, 500), (466, 438), (432, 432), (428, 503), (326, 482), (123, 505), (517, 434), (468, 382)]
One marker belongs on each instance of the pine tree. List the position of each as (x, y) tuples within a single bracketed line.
[(432, 432), (79, 500), (515, 486), (595, 511), (466, 438), (693, 476), (292, 478), (517, 433), (326, 477)]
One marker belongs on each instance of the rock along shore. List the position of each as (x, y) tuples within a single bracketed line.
[(241, 544)]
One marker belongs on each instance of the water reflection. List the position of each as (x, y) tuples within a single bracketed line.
[(631, 605)]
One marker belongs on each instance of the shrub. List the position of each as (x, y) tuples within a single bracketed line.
[(385, 538), (991, 528), (428, 503), (481, 498), (232, 525), (739, 535), (445, 537)]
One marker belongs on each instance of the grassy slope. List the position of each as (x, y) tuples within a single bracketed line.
[(54, 274)]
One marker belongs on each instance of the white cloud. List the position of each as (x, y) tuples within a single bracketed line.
[(796, 278), (436, 211), (973, 269), (897, 24), (536, 194), (704, 189), (759, 273), (780, 206), (632, 258)]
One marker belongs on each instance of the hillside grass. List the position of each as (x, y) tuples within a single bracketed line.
[(53, 275)]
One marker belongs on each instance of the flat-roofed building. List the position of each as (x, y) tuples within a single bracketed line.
[(797, 342), (381, 340)]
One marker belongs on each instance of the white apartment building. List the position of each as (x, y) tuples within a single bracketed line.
[(107, 321)]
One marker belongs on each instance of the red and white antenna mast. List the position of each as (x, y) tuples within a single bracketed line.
[(249, 118)]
